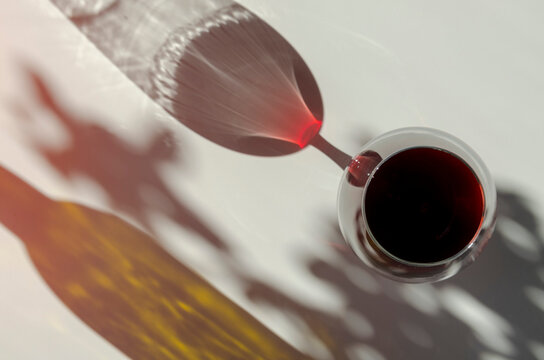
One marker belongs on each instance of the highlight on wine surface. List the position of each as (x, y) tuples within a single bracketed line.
[(417, 204)]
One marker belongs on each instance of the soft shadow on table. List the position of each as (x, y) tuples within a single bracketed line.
[(125, 287), (113, 276), (492, 310), (129, 175)]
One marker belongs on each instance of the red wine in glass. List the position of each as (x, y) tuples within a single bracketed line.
[(430, 194), (417, 204)]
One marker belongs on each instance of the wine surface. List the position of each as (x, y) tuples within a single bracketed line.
[(423, 205)]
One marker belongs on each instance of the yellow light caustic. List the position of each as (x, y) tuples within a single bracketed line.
[(126, 287)]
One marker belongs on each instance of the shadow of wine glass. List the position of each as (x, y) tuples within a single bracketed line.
[(492, 309), (124, 286), (216, 67), (233, 79)]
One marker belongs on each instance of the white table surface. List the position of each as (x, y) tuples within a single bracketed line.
[(472, 68)]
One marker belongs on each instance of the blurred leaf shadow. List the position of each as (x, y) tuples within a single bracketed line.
[(128, 175), (413, 321), (124, 286)]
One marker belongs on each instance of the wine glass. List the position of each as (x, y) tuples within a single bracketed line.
[(416, 205)]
